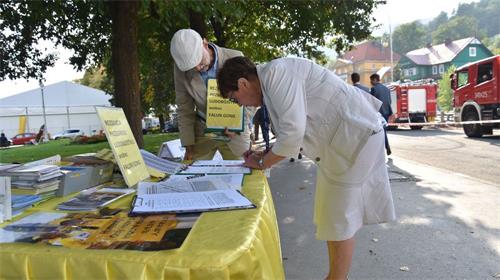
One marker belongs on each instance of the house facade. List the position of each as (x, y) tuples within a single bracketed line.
[(366, 59), (432, 61)]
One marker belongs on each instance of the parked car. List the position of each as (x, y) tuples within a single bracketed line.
[(171, 127), (23, 138), (68, 133)]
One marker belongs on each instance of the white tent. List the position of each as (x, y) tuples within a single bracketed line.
[(67, 105)]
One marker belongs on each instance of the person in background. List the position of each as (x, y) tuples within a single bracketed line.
[(196, 61), (4, 142), (355, 82), (383, 94), (338, 126)]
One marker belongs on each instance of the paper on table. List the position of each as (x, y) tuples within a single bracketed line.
[(160, 164), (235, 181), (5, 199), (216, 170), (172, 149), (218, 163), (53, 160), (190, 202), (217, 156), (206, 184), (7, 236)]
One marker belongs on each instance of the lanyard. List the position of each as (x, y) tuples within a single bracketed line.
[(265, 126)]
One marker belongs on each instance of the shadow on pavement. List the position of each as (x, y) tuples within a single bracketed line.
[(432, 237)]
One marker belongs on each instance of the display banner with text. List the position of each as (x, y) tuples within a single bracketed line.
[(123, 145), (221, 112)]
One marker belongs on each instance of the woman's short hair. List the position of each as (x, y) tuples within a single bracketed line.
[(233, 69)]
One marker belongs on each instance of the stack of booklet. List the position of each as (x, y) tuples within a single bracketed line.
[(22, 202), (40, 179)]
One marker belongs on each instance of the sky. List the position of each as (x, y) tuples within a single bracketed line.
[(394, 11)]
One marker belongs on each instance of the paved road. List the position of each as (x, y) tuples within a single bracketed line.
[(447, 223), (451, 150)]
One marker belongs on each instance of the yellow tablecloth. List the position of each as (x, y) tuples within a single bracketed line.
[(241, 244)]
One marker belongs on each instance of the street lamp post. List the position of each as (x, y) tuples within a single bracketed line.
[(45, 136)]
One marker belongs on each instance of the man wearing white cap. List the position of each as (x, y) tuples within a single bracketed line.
[(196, 61)]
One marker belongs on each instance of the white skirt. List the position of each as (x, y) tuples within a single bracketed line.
[(343, 204)]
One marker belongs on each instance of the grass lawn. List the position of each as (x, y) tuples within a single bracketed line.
[(63, 147)]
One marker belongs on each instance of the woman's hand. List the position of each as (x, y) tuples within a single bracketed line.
[(252, 160)]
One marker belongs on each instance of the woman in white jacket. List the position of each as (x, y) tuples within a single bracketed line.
[(338, 126)]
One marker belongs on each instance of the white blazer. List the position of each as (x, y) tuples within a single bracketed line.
[(311, 107)]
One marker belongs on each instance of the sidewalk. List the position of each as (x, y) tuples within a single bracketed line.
[(448, 226)]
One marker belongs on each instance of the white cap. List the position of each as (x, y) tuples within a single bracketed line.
[(186, 48)]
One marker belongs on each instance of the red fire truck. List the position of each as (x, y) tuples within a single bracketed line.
[(413, 103), (476, 96)]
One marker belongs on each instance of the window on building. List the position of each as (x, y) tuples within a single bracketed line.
[(484, 72), (434, 70), (373, 67), (405, 72), (463, 78), (472, 51), (441, 68)]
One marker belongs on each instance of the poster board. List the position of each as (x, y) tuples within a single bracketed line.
[(221, 112), (122, 143)]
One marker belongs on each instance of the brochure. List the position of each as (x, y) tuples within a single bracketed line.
[(97, 231), (160, 164), (172, 150), (93, 199)]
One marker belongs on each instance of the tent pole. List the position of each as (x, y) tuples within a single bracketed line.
[(67, 114), (45, 136)]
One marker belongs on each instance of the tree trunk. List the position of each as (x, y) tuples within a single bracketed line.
[(197, 23), (125, 63), (162, 122), (218, 32)]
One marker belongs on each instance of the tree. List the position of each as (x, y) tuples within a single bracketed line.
[(493, 44), (485, 11), (86, 27), (408, 37), (445, 94), (434, 24), (125, 63), (100, 31), (457, 28)]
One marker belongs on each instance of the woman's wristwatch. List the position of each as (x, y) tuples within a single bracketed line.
[(261, 163)]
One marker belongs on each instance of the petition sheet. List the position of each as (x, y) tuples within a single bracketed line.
[(215, 170), (235, 181), (204, 184), (190, 202)]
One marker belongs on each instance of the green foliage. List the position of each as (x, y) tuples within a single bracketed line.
[(81, 26), (485, 12), (493, 44), (261, 29), (477, 19), (408, 37), (457, 28), (97, 77), (445, 95)]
